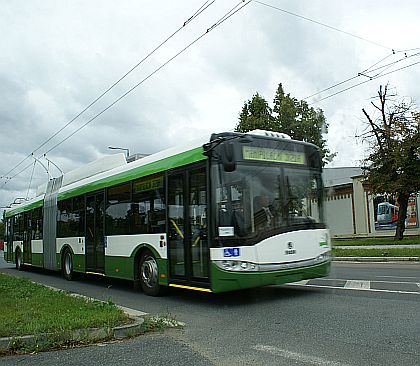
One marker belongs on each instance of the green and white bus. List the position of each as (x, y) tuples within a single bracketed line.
[(228, 212)]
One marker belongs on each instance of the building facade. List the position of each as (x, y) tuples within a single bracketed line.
[(352, 211)]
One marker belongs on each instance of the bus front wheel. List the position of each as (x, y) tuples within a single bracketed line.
[(149, 275)]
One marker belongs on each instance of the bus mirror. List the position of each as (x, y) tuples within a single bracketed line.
[(228, 157)]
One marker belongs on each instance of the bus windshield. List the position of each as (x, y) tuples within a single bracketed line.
[(259, 200)]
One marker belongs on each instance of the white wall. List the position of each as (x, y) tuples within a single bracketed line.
[(338, 214)]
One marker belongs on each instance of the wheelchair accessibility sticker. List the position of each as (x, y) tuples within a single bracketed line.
[(231, 252)]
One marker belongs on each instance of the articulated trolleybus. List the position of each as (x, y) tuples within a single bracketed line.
[(231, 212)]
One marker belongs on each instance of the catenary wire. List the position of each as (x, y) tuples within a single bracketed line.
[(365, 81), (195, 15), (220, 21), (225, 17), (387, 66), (321, 24), (30, 181)]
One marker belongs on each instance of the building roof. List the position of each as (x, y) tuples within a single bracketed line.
[(340, 176)]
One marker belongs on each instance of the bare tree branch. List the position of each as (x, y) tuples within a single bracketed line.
[(374, 129)]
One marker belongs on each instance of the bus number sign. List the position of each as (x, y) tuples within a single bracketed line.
[(273, 155)]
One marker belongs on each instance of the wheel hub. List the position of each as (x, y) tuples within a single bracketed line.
[(149, 272)]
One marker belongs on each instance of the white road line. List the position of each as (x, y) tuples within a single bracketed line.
[(299, 357), (357, 284), (356, 289), (303, 282), (396, 277), (398, 282), (346, 279)]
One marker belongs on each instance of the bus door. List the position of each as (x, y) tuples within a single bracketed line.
[(27, 238), (188, 251), (94, 235)]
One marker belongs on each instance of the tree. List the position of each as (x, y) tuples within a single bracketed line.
[(289, 116), (256, 113), (393, 164)]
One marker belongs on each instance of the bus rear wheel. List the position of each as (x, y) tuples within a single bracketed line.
[(149, 275), (68, 272)]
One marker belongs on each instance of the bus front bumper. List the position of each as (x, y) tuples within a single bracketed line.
[(223, 281)]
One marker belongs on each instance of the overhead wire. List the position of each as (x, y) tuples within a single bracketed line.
[(370, 69), (364, 82), (30, 181), (233, 11), (363, 73), (321, 24), (200, 10), (221, 20)]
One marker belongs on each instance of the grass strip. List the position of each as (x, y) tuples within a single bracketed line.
[(391, 252), (375, 241), (29, 308)]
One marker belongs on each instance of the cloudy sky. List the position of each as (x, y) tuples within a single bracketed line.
[(56, 57)]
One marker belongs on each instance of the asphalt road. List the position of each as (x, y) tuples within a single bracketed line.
[(362, 314)]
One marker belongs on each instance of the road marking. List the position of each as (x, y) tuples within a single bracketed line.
[(303, 282), (397, 277), (346, 279), (356, 289), (399, 282), (299, 357), (357, 285)]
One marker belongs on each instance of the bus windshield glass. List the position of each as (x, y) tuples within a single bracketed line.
[(260, 200)]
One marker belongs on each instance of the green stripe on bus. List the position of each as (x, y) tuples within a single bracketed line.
[(38, 259), (184, 158), (25, 208), (172, 162), (123, 267), (119, 267)]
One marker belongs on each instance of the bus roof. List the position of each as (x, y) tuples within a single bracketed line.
[(114, 169), (111, 170)]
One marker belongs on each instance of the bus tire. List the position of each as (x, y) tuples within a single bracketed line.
[(149, 275), (18, 261), (67, 268)]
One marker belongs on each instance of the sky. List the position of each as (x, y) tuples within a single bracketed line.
[(57, 56)]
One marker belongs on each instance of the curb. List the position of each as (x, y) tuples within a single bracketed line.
[(88, 334), (376, 259), (78, 335)]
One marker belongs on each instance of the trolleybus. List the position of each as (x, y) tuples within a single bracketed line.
[(229, 212)]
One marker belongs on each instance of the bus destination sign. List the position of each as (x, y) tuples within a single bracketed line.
[(273, 155)]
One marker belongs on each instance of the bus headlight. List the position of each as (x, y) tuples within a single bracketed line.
[(237, 266), (326, 256)]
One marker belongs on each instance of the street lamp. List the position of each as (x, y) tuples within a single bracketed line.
[(127, 151)]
